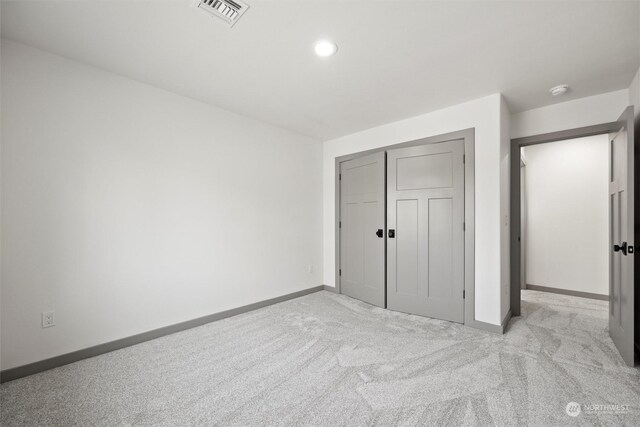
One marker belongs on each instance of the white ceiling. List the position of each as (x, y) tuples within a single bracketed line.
[(396, 59)]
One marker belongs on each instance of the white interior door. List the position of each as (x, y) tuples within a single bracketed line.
[(362, 243), (425, 220), (621, 238)]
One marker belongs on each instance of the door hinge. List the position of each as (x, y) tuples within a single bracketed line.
[(464, 295), (464, 226), (340, 272), (464, 158), (339, 176), (340, 224)]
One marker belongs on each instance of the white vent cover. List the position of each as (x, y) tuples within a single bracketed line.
[(227, 10)]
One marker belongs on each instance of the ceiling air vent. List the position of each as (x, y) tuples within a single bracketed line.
[(227, 10)]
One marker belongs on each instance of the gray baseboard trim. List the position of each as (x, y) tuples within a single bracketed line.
[(505, 321), (330, 289), (490, 327), (568, 292), (65, 359), (483, 326)]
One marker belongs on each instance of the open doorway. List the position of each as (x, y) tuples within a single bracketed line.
[(621, 225), (564, 217)]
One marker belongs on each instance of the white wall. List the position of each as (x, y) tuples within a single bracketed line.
[(126, 208), (567, 215), (634, 96), (591, 110), (483, 115), (505, 197)]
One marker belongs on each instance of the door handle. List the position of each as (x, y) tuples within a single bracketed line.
[(622, 248), (379, 233), (392, 234)]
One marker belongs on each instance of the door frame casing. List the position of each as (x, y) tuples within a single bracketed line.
[(515, 196), (468, 135)]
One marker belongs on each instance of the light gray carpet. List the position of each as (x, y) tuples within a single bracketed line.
[(329, 360)]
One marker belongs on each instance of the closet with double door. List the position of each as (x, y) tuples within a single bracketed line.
[(402, 229)]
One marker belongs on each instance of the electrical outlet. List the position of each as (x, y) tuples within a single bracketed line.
[(48, 319), (310, 268)]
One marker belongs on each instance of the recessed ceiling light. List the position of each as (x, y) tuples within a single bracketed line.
[(559, 90), (325, 48)]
